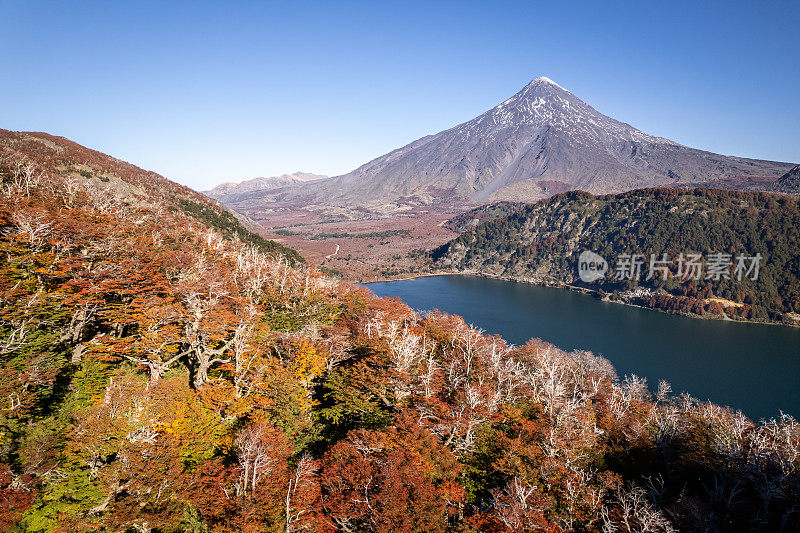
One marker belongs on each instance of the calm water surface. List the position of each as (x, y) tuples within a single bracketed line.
[(752, 367)]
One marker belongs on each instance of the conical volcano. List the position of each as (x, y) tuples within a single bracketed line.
[(541, 141)]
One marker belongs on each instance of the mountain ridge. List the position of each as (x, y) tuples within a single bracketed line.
[(231, 191)]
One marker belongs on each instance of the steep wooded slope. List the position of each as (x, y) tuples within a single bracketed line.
[(157, 376), (112, 182)]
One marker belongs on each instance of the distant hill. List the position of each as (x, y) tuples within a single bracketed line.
[(542, 141), (469, 219), (789, 182), (542, 243), (234, 192)]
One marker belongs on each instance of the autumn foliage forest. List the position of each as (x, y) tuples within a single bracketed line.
[(160, 374)]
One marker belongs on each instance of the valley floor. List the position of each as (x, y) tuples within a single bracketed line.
[(368, 250), (395, 246)]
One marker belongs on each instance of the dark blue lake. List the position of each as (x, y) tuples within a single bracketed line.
[(752, 367)]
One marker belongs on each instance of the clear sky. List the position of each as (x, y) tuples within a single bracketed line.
[(204, 92)]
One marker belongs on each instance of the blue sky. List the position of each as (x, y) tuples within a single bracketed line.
[(204, 92)]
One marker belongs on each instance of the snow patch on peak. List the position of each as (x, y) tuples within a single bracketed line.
[(545, 79)]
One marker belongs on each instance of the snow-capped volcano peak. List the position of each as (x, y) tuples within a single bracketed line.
[(544, 79), (542, 140), (543, 104)]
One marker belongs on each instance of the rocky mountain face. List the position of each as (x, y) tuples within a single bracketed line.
[(235, 192), (541, 141)]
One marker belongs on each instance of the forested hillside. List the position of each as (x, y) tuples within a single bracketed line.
[(543, 241), (161, 373), (111, 182)]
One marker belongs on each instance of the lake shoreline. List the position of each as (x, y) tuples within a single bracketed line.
[(584, 290)]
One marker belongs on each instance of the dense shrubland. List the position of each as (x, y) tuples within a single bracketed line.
[(541, 242), (157, 376)]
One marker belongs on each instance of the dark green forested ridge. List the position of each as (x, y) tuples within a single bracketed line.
[(542, 242)]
